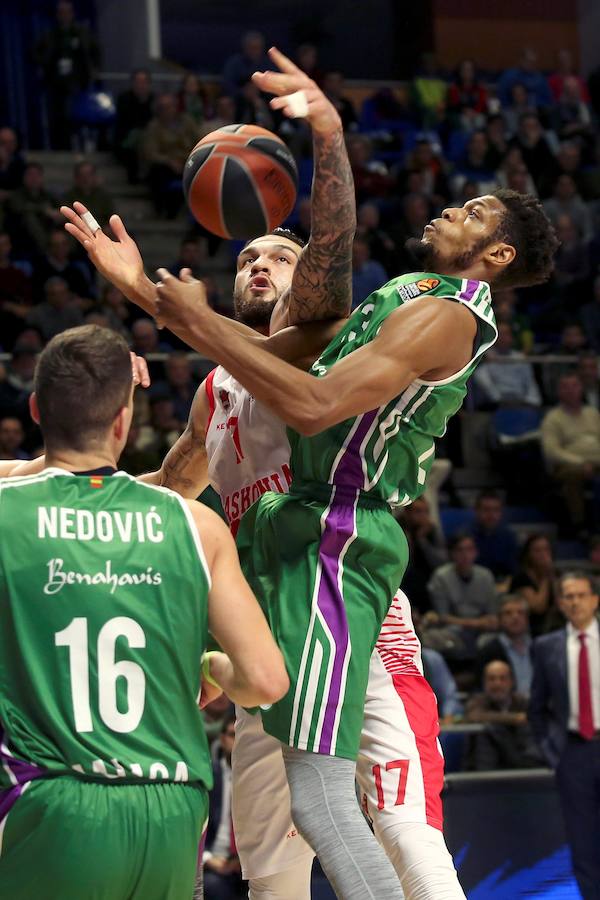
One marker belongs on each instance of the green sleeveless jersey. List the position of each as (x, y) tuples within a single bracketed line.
[(103, 622), (387, 452)]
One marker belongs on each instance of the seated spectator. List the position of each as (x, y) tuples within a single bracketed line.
[(146, 338), (59, 311), (443, 685), (134, 112), (166, 144), (307, 58), (240, 67), (566, 201), (588, 371), (506, 311), (416, 214), (513, 644), (12, 164), (193, 253), (33, 212), (164, 422), (192, 97), (427, 551), (224, 115), (222, 870), (429, 92), (88, 190), (507, 742), (571, 261), (59, 262), (497, 135), (179, 385), (426, 160), (496, 543), (506, 383), (590, 317), (571, 445), (371, 177), (333, 88), (572, 116), (516, 177), (535, 582), (518, 105), (12, 435), (527, 73), (477, 164), (534, 147), (573, 342), (565, 68), (16, 379), (15, 295), (467, 98), (135, 458), (367, 274), (382, 247), (115, 306), (567, 162), (252, 108), (463, 598)]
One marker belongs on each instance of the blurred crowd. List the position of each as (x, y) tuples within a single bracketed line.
[(480, 592)]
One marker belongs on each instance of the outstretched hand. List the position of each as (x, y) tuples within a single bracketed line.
[(119, 261), (321, 114), (180, 301)]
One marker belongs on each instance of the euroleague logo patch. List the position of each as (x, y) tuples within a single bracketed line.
[(416, 288)]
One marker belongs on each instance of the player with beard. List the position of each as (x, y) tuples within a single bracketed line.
[(249, 453)]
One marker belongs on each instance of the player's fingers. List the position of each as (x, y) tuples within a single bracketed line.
[(274, 83), (283, 62), (186, 275), (75, 216), (118, 228), (76, 232), (164, 277)]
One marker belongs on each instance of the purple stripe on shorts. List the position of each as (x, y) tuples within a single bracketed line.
[(469, 292), (349, 471), (22, 772)]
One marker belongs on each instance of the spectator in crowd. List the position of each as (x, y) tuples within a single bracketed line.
[(527, 73), (427, 551), (192, 97), (564, 712), (12, 164), (59, 311), (513, 644), (367, 274), (463, 598), (415, 215), (502, 382), (224, 115), (517, 106), (506, 310), (134, 112), (179, 385), (467, 98), (252, 108), (58, 262), (87, 188), (443, 685), (307, 58), (496, 543), (476, 164), (571, 445), (146, 338), (164, 422), (572, 116), (426, 161), (534, 147), (565, 68), (507, 742), (214, 716), (573, 342), (571, 261), (371, 178), (15, 295), (240, 67), (166, 144), (590, 316), (114, 305), (566, 201), (515, 175), (193, 253), (429, 91), (12, 436), (69, 55), (135, 458), (222, 870), (33, 211), (382, 247), (566, 162), (333, 88), (497, 135), (589, 375), (535, 582), (16, 380)]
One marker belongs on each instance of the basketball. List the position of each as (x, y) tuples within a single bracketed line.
[(240, 181)]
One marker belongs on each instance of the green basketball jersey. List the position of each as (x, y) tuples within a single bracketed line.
[(387, 452), (103, 622)]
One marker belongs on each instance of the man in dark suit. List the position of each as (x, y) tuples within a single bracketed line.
[(564, 712)]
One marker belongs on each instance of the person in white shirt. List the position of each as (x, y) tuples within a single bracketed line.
[(564, 712)]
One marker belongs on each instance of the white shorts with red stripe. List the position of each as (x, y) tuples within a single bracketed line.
[(400, 769)]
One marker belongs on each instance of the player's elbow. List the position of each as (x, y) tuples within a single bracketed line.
[(314, 416), (271, 681)]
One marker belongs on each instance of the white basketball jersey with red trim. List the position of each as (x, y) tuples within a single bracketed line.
[(247, 447)]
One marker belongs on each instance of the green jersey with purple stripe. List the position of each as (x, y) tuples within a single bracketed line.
[(387, 452), (103, 622)]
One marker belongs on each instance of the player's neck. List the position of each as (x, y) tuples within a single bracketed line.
[(476, 272), (88, 461)]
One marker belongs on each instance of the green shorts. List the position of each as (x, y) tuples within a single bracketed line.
[(69, 839), (325, 571)]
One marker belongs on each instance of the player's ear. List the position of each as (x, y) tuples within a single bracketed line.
[(121, 423), (500, 254), (34, 410)]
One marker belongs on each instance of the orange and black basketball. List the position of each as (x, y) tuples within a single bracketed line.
[(240, 181)]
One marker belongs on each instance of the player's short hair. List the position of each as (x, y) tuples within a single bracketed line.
[(527, 228), (82, 379), (281, 232)]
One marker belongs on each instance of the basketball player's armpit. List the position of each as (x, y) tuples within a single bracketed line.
[(322, 283)]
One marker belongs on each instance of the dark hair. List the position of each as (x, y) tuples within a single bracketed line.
[(506, 599), (281, 232), (527, 228), (488, 494), (576, 573), (228, 719), (82, 380), (537, 536), (458, 537)]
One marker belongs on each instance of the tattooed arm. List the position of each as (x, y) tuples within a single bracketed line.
[(322, 284), (185, 467)]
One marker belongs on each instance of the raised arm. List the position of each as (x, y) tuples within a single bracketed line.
[(322, 284), (412, 343)]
